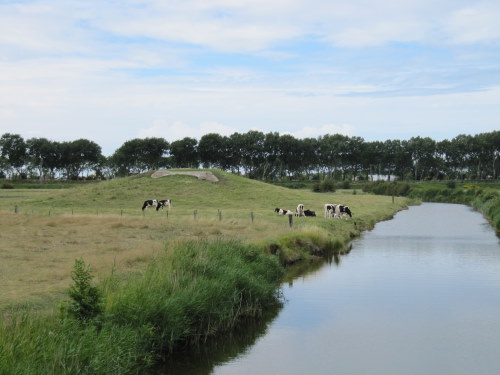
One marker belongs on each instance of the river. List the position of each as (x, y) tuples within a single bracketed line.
[(419, 294)]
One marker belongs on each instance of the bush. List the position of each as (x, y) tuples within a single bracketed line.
[(7, 186), (86, 300), (324, 186), (451, 184), (346, 185)]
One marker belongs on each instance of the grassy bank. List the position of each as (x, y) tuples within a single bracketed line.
[(191, 291)]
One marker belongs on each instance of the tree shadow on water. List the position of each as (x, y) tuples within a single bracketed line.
[(202, 359)]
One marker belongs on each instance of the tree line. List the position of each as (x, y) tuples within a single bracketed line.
[(265, 156)]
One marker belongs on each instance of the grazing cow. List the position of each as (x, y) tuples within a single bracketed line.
[(309, 213), (281, 211), (330, 210), (342, 210), (163, 203), (149, 203), (299, 211)]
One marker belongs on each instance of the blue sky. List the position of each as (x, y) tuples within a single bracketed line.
[(110, 71)]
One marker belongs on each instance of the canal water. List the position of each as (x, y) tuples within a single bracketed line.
[(417, 295)]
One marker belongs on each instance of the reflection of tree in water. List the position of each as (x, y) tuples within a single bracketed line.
[(218, 350), (201, 360), (302, 269)]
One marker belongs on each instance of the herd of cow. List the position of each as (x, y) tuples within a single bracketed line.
[(331, 210)]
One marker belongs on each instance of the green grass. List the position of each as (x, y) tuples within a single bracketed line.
[(188, 293)]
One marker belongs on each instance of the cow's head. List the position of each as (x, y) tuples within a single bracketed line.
[(347, 211)]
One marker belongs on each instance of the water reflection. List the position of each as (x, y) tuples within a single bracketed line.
[(215, 351)]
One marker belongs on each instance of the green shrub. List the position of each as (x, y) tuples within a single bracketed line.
[(346, 184), (86, 300), (324, 186)]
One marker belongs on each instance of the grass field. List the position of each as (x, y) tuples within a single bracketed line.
[(103, 224)]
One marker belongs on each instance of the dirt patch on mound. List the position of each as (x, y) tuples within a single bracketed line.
[(206, 176)]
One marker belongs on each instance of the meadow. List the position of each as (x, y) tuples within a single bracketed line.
[(165, 279), (103, 224)]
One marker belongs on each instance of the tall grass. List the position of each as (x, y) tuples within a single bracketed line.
[(192, 291), (307, 243), (488, 202)]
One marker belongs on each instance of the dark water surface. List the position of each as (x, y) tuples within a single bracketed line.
[(420, 294)]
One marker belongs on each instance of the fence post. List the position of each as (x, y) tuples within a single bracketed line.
[(121, 212), (195, 213), (15, 208), (290, 220), (251, 216), (220, 214)]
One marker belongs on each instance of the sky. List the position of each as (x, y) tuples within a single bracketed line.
[(111, 71)]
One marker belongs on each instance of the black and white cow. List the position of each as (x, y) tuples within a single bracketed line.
[(149, 203), (330, 209), (342, 210), (309, 213), (281, 211), (164, 203), (299, 211)]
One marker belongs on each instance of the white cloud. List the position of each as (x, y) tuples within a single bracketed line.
[(474, 24), (178, 130), (313, 132)]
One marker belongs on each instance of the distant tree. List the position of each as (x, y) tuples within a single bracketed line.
[(272, 164), (288, 162), (185, 153), (12, 153), (331, 149), (39, 151), (139, 155), (253, 154), (423, 156), (155, 152), (308, 155), (492, 148), (372, 158), (78, 156), (211, 150), (351, 158), (235, 151)]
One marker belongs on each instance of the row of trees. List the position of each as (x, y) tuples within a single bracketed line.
[(268, 156)]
